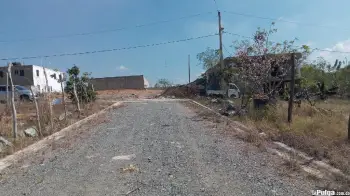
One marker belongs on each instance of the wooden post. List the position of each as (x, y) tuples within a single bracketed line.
[(189, 75), (48, 97), (76, 96), (37, 112), (291, 94), (63, 98), (7, 88), (349, 128), (14, 114), (189, 69)]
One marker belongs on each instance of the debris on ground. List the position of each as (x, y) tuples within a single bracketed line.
[(183, 91), (130, 168), (30, 132), (4, 143), (57, 101), (214, 100), (61, 117)]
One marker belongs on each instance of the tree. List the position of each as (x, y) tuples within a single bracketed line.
[(163, 83), (78, 88), (209, 58), (259, 60), (332, 76)]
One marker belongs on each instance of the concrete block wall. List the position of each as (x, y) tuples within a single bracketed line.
[(115, 83), (25, 80)]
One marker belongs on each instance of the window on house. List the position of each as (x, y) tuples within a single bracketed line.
[(60, 77), (3, 88), (16, 72), (37, 73), (54, 76), (21, 72), (1, 74)]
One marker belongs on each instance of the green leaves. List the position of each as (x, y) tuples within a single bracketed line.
[(84, 90), (163, 83), (209, 58)]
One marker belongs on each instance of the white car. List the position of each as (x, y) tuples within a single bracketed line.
[(21, 93)]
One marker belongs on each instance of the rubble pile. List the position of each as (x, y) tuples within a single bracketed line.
[(182, 91)]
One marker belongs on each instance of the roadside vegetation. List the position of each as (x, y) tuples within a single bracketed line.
[(319, 121), (34, 123)]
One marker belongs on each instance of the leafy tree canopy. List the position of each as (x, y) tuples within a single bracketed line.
[(163, 83)]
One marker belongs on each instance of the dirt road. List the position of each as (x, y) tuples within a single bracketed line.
[(151, 148)]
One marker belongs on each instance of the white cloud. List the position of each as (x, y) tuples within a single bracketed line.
[(122, 68), (199, 74), (342, 46)]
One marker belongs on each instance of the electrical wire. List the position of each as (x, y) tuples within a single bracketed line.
[(108, 30), (282, 20), (109, 50), (313, 49), (227, 50)]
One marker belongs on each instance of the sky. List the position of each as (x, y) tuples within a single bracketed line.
[(46, 27)]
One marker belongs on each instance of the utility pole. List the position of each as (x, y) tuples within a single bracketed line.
[(292, 85), (222, 66), (220, 39), (189, 69)]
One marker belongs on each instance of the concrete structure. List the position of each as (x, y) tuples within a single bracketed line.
[(122, 82), (33, 75)]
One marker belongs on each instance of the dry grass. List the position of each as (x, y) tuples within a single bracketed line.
[(27, 118), (320, 131)]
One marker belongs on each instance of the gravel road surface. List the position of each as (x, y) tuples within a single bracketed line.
[(151, 148)]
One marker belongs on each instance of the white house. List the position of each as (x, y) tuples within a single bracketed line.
[(33, 75), (53, 77)]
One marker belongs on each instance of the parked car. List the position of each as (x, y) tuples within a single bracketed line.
[(232, 92), (21, 93)]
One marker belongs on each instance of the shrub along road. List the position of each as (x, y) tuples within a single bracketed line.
[(151, 148)]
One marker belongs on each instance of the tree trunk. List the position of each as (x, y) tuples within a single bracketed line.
[(48, 98), (76, 96), (64, 101), (14, 114), (37, 112), (92, 87)]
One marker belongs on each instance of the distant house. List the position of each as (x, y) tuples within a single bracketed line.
[(33, 75)]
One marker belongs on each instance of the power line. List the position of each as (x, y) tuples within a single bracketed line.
[(235, 34), (324, 50), (109, 50), (227, 50), (282, 20), (107, 30)]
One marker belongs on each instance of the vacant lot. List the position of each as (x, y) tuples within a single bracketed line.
[(26, 116), (320, 130), (112, 95)]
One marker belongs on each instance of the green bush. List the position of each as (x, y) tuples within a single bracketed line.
[(84, 89)]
